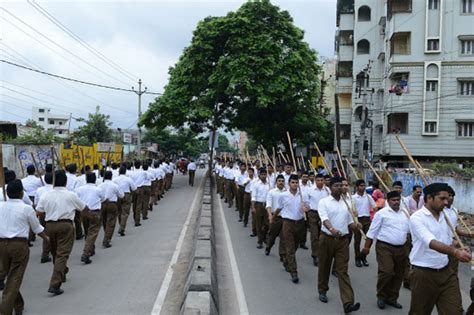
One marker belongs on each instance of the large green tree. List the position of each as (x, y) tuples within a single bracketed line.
[(176, 141), (250, 70), (96, 129)]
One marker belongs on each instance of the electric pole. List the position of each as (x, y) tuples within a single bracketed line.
[(139, 93), (363, 82)]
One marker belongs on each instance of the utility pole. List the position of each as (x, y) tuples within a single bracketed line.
[(139, 93), (362, 82)]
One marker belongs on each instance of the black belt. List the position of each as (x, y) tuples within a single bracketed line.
[(259, 202), (107, 201), (432, 269), (294, 221), (240, 186), (313, 210), (332, 236), (60, 221), (15, 239), (98, 210), (397, 246)]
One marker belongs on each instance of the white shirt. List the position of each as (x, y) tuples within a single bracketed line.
[(363, 204), (315, 195), (260, 191), (336, 212), (192, 166), (452, 216), (60, 204), (115, 173), (41, 191), (30, 184), (97, 174), (287, 177), (91, 195), (272, 198), (139, 177), (26, 200), (248, 187), (292, 205), (81, 181), (149, 178), (241, 179), (305, 188), (271, 178), (390, 226), (71, 181), (424, 228), (403, 203), (111, 190), (125, 183), (16, 219)]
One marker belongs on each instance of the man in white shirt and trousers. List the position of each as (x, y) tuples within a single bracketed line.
[(108, 211), (192, 172)]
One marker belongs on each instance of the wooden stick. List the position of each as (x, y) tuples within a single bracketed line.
[(274, 157), (284, 159), (461, 219), (291, 150), (55, 154), (352, 169), (302, 161), (2, 174), (423, 171), (326, 166), (22, 168), (311, 166), (298, 162), (337, 167), (356, 220), (52, 163), (83, 160), (340, 161), (377, 175), (36, 167)]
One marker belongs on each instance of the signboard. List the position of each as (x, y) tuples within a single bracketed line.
[(105, 147), (127, 138)]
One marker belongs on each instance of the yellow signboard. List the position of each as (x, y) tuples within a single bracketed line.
[(89, 155)]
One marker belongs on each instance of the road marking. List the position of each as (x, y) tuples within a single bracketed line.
[(233, 264), (165, 285)]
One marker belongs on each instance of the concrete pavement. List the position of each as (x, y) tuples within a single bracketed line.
[(123, 279), (269, 290)]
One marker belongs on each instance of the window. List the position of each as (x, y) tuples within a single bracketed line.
[(60, 132), (431, 86), (467, 46), (364, 14), (41, 119), (60, 122), (433, 4), (51, 122), (398, 6), (363, 47), (400, 43), (466, 88), (433, 45), (41, 110), (466, 129), (345, 131), (430, 127), (397, 123), (467, 6)]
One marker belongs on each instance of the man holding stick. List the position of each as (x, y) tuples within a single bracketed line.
[(276, 221), (260, 190)]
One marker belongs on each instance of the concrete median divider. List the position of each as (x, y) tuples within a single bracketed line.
[(201, 288)]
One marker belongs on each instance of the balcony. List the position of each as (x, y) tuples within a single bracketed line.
[(346, 22), (346, 53), (344, 85), (398, 6)]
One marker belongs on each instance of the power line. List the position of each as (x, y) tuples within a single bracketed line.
[(91, 49), (74, 80), (60, 46)]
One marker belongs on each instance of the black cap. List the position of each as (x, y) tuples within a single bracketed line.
[(262, 170), (14, 187), (434, 188), (280, 176), (397, 183), (451, 191), (393, 194), (334, 180)]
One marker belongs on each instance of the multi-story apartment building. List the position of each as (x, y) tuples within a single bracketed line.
[(48, 120), (419, 58)]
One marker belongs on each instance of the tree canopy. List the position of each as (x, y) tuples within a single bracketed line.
[(96, 129), (250, 70)]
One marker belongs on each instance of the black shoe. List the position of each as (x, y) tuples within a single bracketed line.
[(107, 244), (18, 312), (145, 218), (138, 224), (303, 246), (122, 233), (406, 285), (240, 220), (358, 263), (253, 235), (285, 265), (315, 261), (267, 251), (351, 308), (2, 285), (365, 262), (30, 244), (85, 259), (281, 259), (323, 297), (394, 304), (56, 291), (79, 237), (45, 259), (334, 273), (259, 246), (294, 278), (245, 224), (381, 304)]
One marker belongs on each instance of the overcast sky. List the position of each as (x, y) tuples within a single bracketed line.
[(144, 38)]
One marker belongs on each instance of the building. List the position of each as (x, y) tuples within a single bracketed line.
[(418, 60), (59, 123)]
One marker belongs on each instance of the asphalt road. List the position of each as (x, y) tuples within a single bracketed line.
[(123, 279), (268, 288)]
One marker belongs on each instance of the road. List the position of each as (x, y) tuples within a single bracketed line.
[(268, 288), (123, 279)]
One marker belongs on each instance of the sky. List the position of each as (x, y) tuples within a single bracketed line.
[(142, 39)]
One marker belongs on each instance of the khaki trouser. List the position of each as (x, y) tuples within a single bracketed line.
[(246, 207), (137, 204), (218, 186), (146, 201), (14, 255), (92, 217), (154, 192), (314, 222), (222, 186), (191, 177), (365, 221), (240, 201), (392, 261), (61, 236), (470, 310), (261, 218), (108, 215), (431, 287), (161, 188), (293, 233), (78, 225), (273, 233), (230, 191), (46, 247), (337, 249), (123, 210)]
